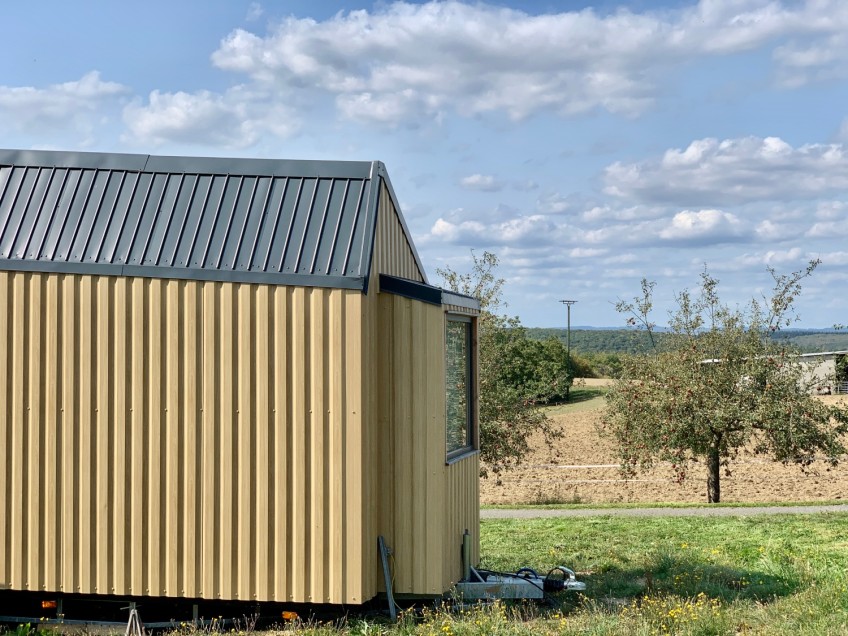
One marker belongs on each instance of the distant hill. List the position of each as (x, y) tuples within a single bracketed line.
[(628, 341), (815, 340)]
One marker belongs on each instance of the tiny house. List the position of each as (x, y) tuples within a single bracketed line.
[(224, 379)]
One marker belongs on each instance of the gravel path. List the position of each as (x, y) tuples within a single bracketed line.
[(540, 513)]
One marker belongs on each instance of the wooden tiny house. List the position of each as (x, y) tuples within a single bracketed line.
[(224, 379)]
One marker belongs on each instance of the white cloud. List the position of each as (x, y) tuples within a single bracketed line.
[(793, 255), (235, 119), (526, 186), (403, 61), (713, 172), (34, 109), (407, 106), (770, 231), (829, 210), (621, 259), (533, 230), (554, 203), (620, 234), (702, 226), (254, 11), (457, 232), (602, 213), (828, 229), (585, 252), (834, 258), (802, 63), (770, 258), (482, 182)]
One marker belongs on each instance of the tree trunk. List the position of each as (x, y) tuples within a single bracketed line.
[(714, 474)]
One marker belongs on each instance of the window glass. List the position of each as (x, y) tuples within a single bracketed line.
[(458, 385)]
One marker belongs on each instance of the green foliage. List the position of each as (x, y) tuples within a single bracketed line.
[(842, 368), (717, 383), (601, 365), (541, 367), (588, 341), (516, 373)]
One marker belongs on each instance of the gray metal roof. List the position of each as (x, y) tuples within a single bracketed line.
[(249, 220)]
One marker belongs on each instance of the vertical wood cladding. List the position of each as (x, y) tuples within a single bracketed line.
[(235, 440), (392, 251), (425, 504), (181, 438)]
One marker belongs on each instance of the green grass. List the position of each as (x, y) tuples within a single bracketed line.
[(670, 504), (580, 399), (773, 575), (769, 575)]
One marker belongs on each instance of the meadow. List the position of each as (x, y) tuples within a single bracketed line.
[(773, 575)]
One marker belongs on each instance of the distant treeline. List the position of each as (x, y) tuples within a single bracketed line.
[(597, 340), (593, 341)]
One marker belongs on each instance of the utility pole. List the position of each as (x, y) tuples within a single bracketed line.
[(568, 304)]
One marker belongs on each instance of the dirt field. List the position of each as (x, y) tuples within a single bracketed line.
[(581, 468)]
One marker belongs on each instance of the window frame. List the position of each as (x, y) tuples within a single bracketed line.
[(471, 430)]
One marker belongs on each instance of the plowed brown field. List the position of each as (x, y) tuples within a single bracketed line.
[(581, 468)]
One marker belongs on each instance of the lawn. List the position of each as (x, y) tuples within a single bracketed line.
[(779, 574), (772, 575)]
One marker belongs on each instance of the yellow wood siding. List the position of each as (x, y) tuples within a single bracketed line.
[(424, 504), (421, 505), (411, 385), (182, 438), (392, 251), (462, 500)]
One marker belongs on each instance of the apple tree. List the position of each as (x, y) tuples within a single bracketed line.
[(718, 382), (511, 366)]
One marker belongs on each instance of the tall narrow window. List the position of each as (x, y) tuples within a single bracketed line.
[(459, 384)]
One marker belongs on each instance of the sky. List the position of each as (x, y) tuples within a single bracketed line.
[(588, 145)]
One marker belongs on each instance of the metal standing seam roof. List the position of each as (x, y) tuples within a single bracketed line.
[(308, 223)]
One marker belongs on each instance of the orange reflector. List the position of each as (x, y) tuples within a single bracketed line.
[(290, 616), (48, 604)]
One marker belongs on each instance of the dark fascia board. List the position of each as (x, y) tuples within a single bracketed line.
[(411, 289), (379, 169), (426, 293), (190, 165), (147, 271), (460, 300)]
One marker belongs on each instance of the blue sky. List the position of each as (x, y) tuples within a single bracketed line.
[(587, 144)]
